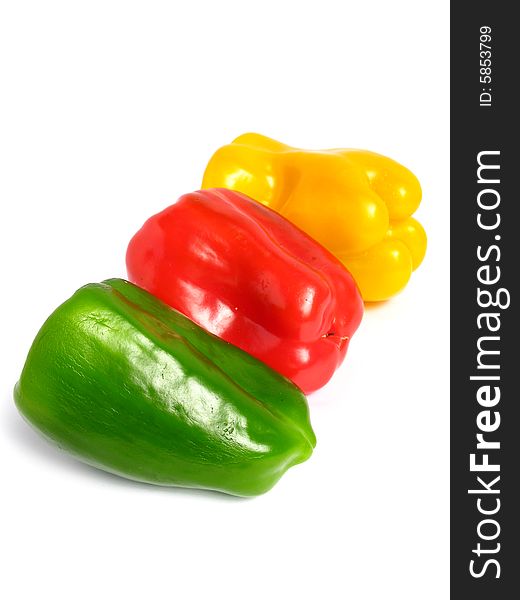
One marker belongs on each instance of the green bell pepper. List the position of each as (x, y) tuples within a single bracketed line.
[(131, 386)]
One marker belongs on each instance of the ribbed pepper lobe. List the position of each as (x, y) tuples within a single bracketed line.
[(248, 275), (357, 203)]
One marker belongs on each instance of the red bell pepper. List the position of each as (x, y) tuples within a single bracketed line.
[(246, 274)]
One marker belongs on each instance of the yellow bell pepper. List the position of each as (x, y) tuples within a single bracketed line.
[(356, 203)]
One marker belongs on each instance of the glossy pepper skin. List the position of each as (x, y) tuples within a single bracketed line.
[(356, 203), (133, 387), (248, 275)]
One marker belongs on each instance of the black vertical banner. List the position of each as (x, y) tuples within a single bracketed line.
[(485, 257)]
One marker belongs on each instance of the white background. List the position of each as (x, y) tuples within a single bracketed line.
[(110, 111)]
